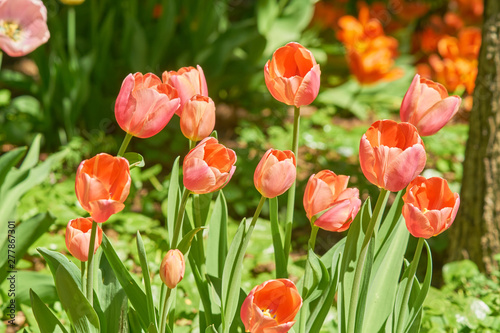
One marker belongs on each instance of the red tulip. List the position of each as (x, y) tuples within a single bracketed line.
[(172, 268), (427, 106), (275, 173), (78, 238), (329, 204), (23, 26), (144, 105), (188, 81), (208, 167), (391, 155), (102, 185), (198, 118), (292, 75), (271, 307), (429, 206)]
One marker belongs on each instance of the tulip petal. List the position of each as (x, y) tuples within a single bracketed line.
[(410, 100), (101, 210), (437, 116), (402, 169), (198, 176), (418, 225), (309, 88), (278, 179)]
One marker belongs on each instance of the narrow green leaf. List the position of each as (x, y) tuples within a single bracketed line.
[(56, 259), (279, 254), (147, 279), (9, 160), (47, 321), (174, 198), (217, 238), (211, 329), (33, 155), (185, 243), (134, 160)]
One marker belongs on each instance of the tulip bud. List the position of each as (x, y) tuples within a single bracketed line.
[(275, 173), (78, 238), (198, 118), (172, 268)]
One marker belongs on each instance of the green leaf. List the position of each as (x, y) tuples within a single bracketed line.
[(174, 198), (134, 159), (217, 238), (211, 329), (47, 321), (56, 259), (41, 283), (279, 254), (147, 280), (33, 155), (9, 160), (185, 243)]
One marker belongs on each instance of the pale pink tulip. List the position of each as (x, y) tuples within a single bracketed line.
[(78, 238), (275, 173), (172, 268), (198, 118)]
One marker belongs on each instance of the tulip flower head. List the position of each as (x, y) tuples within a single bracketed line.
[(275, 173), (144, 105), (208, 167), (327, 193), (188, 81), (102, 185), (198, 118), (391, 155), (78, 238), (271, 307), (23, 26), (429, 206), (427, 106), (292, 75), (172, 268)]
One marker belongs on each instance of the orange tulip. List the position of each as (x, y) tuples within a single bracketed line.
[(391, 155), (208, 167), (172, 268), (329, 204), (271, 307), (144, 105), (429, 206), (102, 185), (275, 173), (292, 75), (198, 118), (427, 106), (78, 238), (188, 81)]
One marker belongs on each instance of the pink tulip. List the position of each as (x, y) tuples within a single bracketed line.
[(427, 106), (329, 204), (198, 118), (429, 206), (144, 105), (172, 268), (188, 81), (78, 238), (292, 75), (208, 167), (271, 307), (391, 155), (102, 185), (23, 26), (275, 173)]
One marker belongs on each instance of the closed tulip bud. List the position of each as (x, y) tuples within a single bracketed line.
[(144, 105), (102, 185), (208, 167), (78, 238), (292, 75), (391, 155), (429, 206), (275, 173), (329, 204), (271, 307), (428, 106), (198, 118), (188, 81), (172, 268)]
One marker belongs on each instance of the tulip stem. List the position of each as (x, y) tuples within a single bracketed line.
[(180, 218), (124, 145), (90, 265), (279, 255), (72, 35), (192, 144), (303, 310), (199, 235), (409, 284), (374, 221), (82, 270), (291, 192), (165, 311)]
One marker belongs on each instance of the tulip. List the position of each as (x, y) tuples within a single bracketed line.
[(198, 118), (391, 155), (188, 81), (427, 106), (208, 167), (172, 268), (102, 185), (292, 75), (429, 206), (329, 204), (275, 173), (271, 307), (78, 238), (23, 26), (144, 105)]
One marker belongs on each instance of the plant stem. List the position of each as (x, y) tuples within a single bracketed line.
[(82, 270), (279, 255), (192, 144), (291, 191), (180, 218), (303, 310), (72, 36), (1, 58), (199, 235), (409, 284), (374, 221), (165, 311), (90, 265), (124, 145)]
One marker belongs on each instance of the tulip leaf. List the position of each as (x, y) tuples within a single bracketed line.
[(56, 259), (9, 160), (174, 197), (318, 278), (185, 243), (217, 238), (147, 279), (134, 160), (33, 155), (47, 321), (279, 254), (211, 329)]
